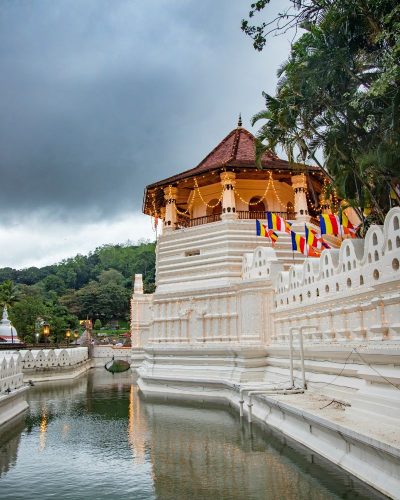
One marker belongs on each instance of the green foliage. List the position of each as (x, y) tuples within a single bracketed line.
[(9, 294), (97, 286), (339, 94), (97, 324)]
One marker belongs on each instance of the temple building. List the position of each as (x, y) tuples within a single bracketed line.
[(209, 212), (227, 184), (278, 335)]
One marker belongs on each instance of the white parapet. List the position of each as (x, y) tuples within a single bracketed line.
[(52, 364), (349, 294), (12, 389)]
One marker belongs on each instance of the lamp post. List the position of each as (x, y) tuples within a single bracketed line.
[(68, 335), (76, 335), (46, 331)]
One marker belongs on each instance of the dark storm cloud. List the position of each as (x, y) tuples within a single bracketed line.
[(99, 98)]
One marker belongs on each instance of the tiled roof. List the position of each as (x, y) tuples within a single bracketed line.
[(237, 149)]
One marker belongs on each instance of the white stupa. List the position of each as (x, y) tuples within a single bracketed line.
[(8, 334)]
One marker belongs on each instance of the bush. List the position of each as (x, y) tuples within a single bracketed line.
[(28, 339)]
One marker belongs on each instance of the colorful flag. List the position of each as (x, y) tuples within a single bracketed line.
[(314, 239), (277, 223), (298, 242), (260, 229), (273, 236), (288, 226), (329, 224), (313, 252), (311, 238), (347, 226)]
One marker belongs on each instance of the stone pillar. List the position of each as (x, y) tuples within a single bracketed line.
[(138, 284), (228, 198), (170, 194), (299, 184)]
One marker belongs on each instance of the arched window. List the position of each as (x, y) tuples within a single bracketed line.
[(257, 208), (215, 208)]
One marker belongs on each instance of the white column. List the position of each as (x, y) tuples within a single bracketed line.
[(170, 194), (138, 284), (299, 184), (228, 198)]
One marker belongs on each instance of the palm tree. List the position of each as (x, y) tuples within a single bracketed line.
[(9, 294)]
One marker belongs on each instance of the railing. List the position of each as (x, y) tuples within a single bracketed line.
[(21, 345), (247, 214), (198, 221), (242, 215)]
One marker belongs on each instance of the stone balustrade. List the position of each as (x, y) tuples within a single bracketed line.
[(348, 294)]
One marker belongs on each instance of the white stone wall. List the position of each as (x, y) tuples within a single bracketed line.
[(349, 294), (52, 358), (211, 255), (228, 294), (11, 377)]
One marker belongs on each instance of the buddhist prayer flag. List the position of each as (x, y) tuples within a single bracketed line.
[(298, 242), (288, 226), (260, 229), (273, 236), (311, 237), (314, 239), (277, 223), (329, 224), (347, 226), (313, 252)]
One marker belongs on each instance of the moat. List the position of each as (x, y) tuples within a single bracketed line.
[(96, 438)]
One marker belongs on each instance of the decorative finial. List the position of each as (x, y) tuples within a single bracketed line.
[(240, 120), (5, 313)]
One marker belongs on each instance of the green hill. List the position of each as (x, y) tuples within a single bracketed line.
[(97, 286)]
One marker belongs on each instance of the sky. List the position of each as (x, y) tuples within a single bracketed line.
[(99, 98)]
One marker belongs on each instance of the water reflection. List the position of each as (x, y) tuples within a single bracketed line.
[(98, 439), (136, 427), (43, 429), (9, 443)]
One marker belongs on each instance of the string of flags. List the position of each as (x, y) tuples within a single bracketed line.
[(312, 243)]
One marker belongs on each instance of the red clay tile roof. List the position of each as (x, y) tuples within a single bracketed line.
[(237, 149)]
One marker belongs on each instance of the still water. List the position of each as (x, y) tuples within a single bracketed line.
[(95, 438)]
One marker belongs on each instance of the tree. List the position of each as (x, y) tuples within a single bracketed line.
[(97, 324), (9, 294), (338, 94), (111, 276)]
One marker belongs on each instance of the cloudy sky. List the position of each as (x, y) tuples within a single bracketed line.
[(99, 98)]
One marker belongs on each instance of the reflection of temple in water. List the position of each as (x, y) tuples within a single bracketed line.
[(137, 427), (199, 453), (9, 443)]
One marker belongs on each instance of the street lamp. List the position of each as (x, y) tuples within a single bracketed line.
[(46, 331), (68, 334), (76, 335)]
